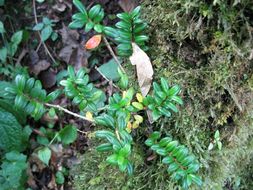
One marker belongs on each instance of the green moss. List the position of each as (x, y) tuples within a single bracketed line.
[(216, 94)]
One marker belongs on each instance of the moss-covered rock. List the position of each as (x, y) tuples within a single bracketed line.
[(215, 74)]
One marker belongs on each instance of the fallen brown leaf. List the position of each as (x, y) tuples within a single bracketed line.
[(144, 68), (48, 78), (128, 5), (40, 66), (73, 52)]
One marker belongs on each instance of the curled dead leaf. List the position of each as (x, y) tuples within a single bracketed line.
[(144, 68), (93, 42)]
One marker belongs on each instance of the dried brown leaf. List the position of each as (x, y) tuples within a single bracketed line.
[(144, 68), (73, 52), (128, 5), (40, 66), (48, 78)]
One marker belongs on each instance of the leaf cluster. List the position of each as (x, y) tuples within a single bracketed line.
[(12, 135), (28, 95), (82, 93), (11, 46), (128, 30), (182, 166), (46, 29), (13, 171), (118, 115), (164, 99), (89, 18)]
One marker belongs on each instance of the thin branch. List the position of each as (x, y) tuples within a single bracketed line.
[(112, 53), (36, 21), (106, 78), (69, 112), (83, 132)]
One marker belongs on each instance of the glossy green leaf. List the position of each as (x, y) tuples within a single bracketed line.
[(93, 12), (113, 159), (167, 160), (174, 90), (98, 28), (140, 38), (196, 179), (165, 141), (104, 147), (68, 134), (75, 24), (38, 27), (80, 17), (172, 167), (171, 146), (79, 6), (89, 26), (136, 12), (177, 99), (46, 33), (44, 155), (111, 32), (110, 70)]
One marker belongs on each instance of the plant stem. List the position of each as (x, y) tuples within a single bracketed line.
[(106, 78), (56, 135), (112, 53), (69, 112), (36, 21)]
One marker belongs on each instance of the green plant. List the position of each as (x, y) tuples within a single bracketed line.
[(8, 51), (182, 165), (91, 19), (46, 29), (83, 93), (13, 171), (12, 135), (128, 30), (27, 94), (124, 111), (216, 141), (163, 100)]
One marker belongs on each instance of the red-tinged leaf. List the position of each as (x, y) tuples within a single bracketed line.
[(93, 42)]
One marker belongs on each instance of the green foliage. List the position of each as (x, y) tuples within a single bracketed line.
[(12, 135), (46, 29), (28, 95), (163, 100), (82, 93), (110, 70), (2, 2), (8, 51), (182, 165), (225, 23), (68, 134), (130, 30), (216, 141), (44, 155), (59, 178), (90, 18), (13, 171), (10, 47)]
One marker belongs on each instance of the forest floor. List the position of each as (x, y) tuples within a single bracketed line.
[(216, 87)]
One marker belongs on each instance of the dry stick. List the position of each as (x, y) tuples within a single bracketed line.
[(112, 53), (69, 112), (36, 21), (79, 116)]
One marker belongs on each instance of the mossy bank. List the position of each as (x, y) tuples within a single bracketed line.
[(213, 65)]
